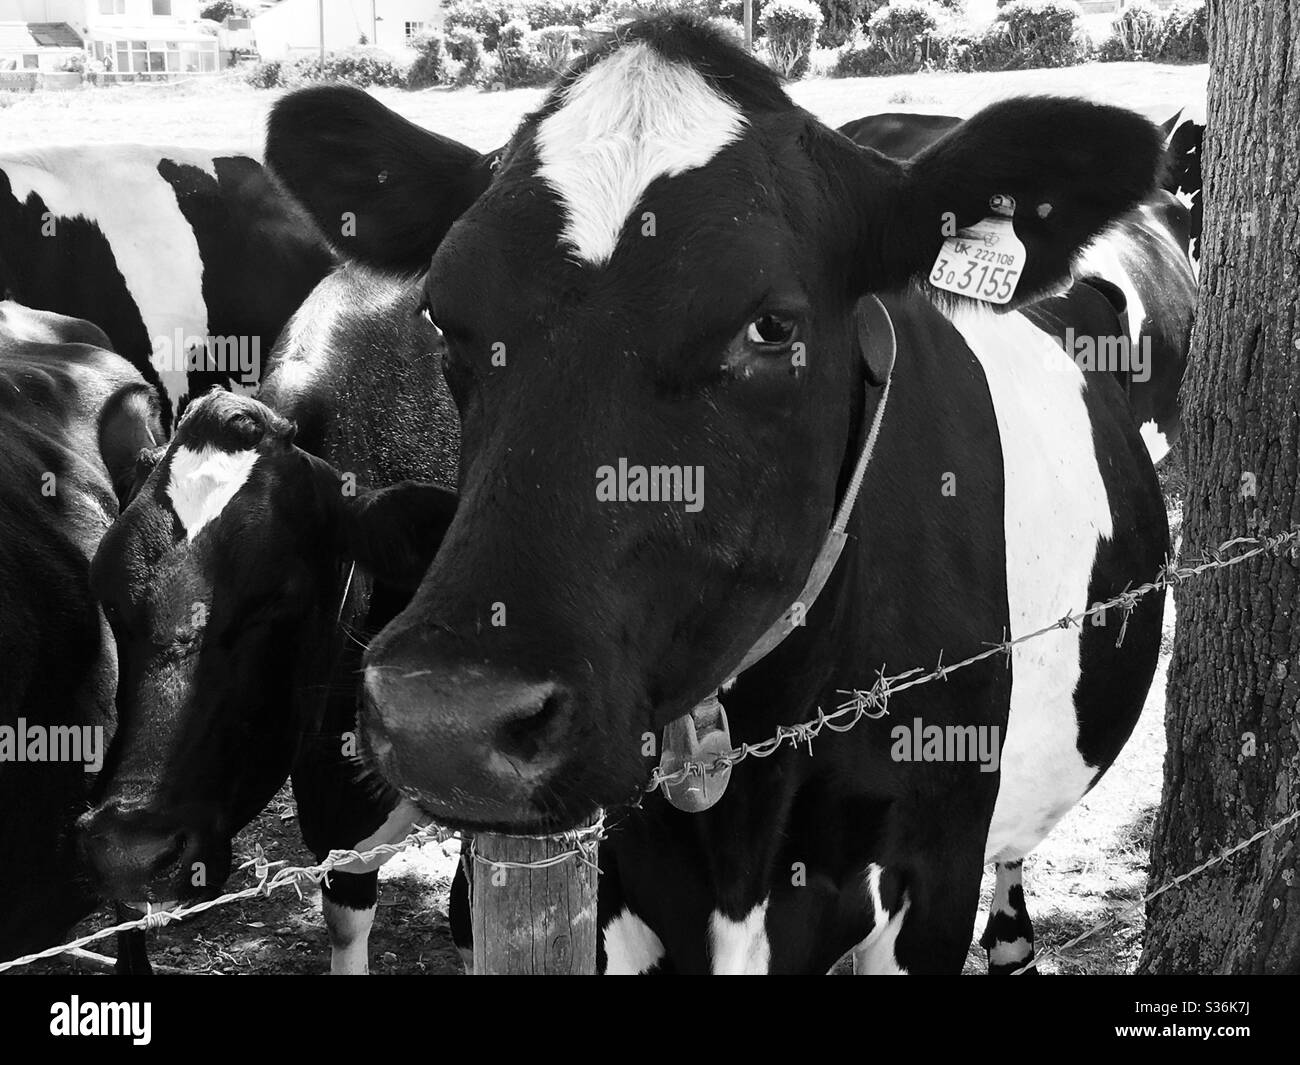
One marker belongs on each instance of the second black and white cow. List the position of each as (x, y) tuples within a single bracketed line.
[(240, 618), (73, 416), (191, 262), (676, 277)]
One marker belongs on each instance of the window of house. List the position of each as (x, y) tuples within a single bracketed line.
[(112, 7), (31, 62), (162, 7), (414, 29)]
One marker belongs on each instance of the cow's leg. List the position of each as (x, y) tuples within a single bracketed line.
[(925, 907), (1009, 935), (132, 949), (878, 954), (348, 902), (338, 810), (349, 899)]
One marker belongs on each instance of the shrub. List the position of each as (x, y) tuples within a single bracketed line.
[(267, 75), (519, 62), (361, 66), (1135, 32), (485, 17), (220, 10), (555, 46), (842, 20), (861, 57), (903, 30), (430, 66), (541, 14), (466, 46), (1037, 33), (1184, 37), (791, 29), (735, 10), (958, 47)]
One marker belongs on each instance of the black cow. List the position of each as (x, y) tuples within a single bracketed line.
[(217, 711), (190, 261), (675, 270), (72, 418), (1155, 284)]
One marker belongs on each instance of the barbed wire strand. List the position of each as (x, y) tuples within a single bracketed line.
[(871, 704), (1118, 915)]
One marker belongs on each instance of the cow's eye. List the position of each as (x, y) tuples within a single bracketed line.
[(772, 331)]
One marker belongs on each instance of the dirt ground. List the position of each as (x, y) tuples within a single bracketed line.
[(1093, 865)]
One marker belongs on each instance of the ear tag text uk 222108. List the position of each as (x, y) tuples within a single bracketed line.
[(984, 261)]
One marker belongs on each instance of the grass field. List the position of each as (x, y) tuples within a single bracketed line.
[(229, 114), (1094, 864)]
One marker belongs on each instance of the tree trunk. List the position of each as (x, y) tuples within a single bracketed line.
[(1233, 721)]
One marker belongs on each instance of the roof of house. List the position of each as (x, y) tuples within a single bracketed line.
[(31, 36), (54, 34)]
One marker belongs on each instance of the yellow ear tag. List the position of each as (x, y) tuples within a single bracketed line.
[(983, 261)]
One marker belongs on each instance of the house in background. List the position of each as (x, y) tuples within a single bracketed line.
[(293, 27), (42, 46), (141, 37)]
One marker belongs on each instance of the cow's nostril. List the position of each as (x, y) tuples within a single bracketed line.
[(530, 734)]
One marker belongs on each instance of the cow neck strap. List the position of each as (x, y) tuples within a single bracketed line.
[(703, 734)]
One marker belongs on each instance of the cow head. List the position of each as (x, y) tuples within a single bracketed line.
[(220, 582), (654, 296)]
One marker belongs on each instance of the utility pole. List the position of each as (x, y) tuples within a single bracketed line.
[(321, 4), (749, 25)]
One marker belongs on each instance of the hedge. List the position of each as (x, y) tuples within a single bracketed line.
[(790, 28)]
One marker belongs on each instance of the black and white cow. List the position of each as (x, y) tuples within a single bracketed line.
[(675, 267), (73, 416), (1155, 282), (186, 259), (239, 618)]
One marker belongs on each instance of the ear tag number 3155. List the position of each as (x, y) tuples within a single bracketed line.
[(983, 261)]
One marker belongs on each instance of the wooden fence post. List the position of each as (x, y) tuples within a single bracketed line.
[(532, 921)]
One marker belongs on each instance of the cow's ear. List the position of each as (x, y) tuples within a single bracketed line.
[(129, 427), (394, 532), (1072, 167), (381, 189)]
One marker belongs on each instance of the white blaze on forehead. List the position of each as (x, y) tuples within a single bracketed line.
[(201, 483), (633, 117)]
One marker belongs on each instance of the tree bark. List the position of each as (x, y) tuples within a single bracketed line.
[(1233, 715)]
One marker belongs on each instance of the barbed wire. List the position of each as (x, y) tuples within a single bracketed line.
[(873, 703), (870, 704), (1118, 915)]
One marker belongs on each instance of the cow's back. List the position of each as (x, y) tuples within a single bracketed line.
[(56, 499), (155, 246)]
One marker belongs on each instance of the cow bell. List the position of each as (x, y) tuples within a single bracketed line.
[(700, 736)]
